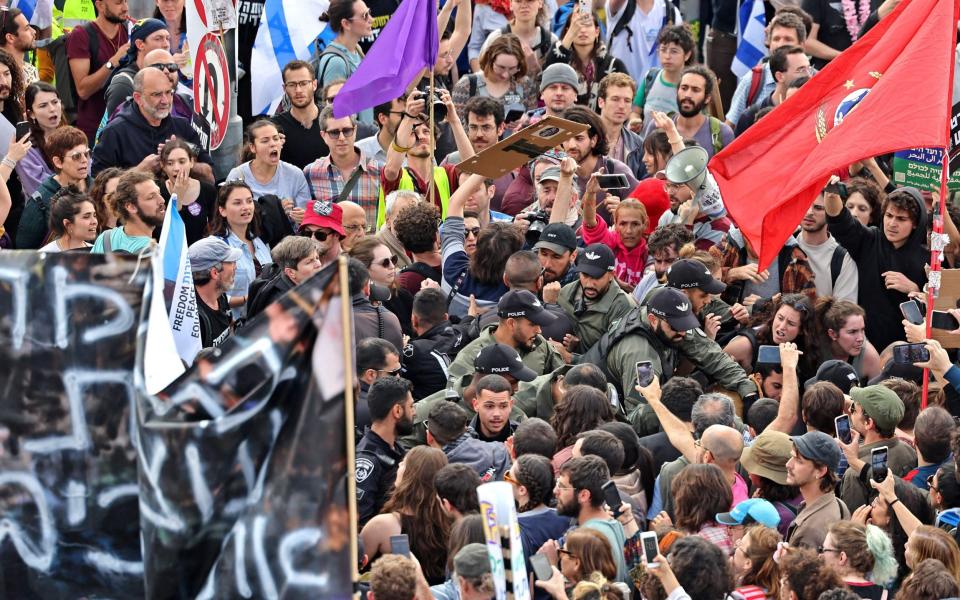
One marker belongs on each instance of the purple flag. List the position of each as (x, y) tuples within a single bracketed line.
[(406, 45)]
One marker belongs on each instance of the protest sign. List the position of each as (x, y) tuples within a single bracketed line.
[(521, 147), (502, 532), (920, 168)]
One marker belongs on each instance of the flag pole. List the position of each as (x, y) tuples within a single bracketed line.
[(346, 326), (433, 140)]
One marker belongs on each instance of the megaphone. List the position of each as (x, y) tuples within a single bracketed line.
[(689, 166)]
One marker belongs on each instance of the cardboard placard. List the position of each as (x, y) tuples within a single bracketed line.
[(948, 297), (522, 147)]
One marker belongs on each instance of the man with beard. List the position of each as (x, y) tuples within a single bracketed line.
[(553, 182), (323, 222), (663, 331), (214, 266), (300, 124), (182, 106), (835, 272), (18, 39), (557, 250), (90, 73), (788, 64), (614, 98), (521, 315), (134, 137), (147, 35), (387, 116), (378, 454), (327, 176), (140, 207), (596, 301), (558, 90), (484, 128), (663, 246), (694, 94), (413, 144), (11, 88), (448, 429)]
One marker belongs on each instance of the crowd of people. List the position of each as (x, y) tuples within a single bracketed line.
[(552, 328)]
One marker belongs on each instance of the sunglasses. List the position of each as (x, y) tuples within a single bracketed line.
[(387, 262), (75, 156), (344, 132), (474, 231), (168, 67), (930, 484), (319, 235), (510, 478), (393, 373)]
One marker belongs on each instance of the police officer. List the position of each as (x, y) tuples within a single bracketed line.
[(661, 331), (496, 359), (378, 455), (427, 357)]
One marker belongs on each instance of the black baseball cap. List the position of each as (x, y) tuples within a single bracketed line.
[(557, 237), (818, 446), (687, 273), (673, 306), (837, 372), (501, 359), (522, 303), (596, 260)]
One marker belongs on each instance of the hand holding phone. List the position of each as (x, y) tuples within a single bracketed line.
[(611, 495), (768, 355), (908, 354), (23, 129), (942, 319), (651, 547), (878, 463), (644, 373), (400, 544), (911, 312), (541, 567), (842, 425)]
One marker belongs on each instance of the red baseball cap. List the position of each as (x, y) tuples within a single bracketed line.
[(320, 213)]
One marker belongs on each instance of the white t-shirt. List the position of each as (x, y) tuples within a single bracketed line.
[(54, 247), (639, 50)]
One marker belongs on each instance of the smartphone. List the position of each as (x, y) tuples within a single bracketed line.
[(651, 547), (399, 544), (768, 355), (613, 181), (907, 354), (838, 188), (541, 567), (911, 312), (644, 373), (944, 320), (23, 128), (842, 425), (878, 462), (513, 115), (611, 495)]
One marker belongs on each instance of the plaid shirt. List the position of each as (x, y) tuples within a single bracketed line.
[(326, 180)]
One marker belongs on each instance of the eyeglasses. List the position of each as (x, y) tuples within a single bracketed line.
[(557, 486), (354, 228), (297, 85), (474, 231), (563, 552), (507, 70), (75, 156), (473, 128), (345, 132), (930, 484), (823, 549), (365, 15), (388, 262), (320, 235), (168, 67), (392, 373)]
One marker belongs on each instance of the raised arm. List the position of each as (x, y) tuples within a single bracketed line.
[(456, 126), (459, 197), (676, 430), (590, 201), (561, 204), (404, 138), (790, 397), (664, 122), (461, 26)]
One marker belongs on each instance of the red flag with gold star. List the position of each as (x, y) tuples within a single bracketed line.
[(889, 91)]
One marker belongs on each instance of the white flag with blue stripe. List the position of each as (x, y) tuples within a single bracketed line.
[(751, 23), (37, 12), (178, 292), (287, 31)]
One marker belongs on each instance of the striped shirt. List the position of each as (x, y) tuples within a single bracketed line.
[(326, 180)]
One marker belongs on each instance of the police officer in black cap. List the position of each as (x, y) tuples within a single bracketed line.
[(378, 454), (428, 356)]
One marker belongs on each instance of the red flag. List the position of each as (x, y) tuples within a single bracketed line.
[(889, 91)]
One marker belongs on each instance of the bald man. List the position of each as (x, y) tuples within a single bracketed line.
[(354, 224), (722, 446), (146, 36)]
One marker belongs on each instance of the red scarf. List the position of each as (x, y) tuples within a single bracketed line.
[(501, 6)]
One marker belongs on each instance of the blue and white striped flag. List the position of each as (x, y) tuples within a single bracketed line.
[(287, 31), (751, 23), (178, 292)]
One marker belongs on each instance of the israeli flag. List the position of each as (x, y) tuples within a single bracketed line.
[(751, 23), (178, 291), (287, 31)]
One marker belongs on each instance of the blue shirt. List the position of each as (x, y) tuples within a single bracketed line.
[(121, 242), (287, 182), (246, 271)]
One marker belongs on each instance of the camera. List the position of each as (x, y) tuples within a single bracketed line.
[(538, 220), (439, 108)]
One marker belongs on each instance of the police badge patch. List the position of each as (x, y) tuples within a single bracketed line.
[(364, 469)]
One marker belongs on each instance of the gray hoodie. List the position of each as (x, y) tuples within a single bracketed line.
[(489, 459)]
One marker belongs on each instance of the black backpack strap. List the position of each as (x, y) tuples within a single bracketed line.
[(836, 263), (380, 327), (456, 286), (472, 81), (423, 269), (623, 24)]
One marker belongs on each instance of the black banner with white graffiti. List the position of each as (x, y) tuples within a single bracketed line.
[(242, 461), (232, 480), (69, 522)]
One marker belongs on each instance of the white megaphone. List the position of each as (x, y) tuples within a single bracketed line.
[(689, 167)]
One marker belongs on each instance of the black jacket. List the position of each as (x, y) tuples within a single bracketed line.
[(128, 139), (425, 360), (377, 465), (874, 255), (267, 289), (375, 321)]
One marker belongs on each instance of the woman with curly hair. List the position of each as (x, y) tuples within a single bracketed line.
[(696, 569), (583, 408), (863, 556), (842, 327), (791, 319), (414, 509), (803, 576), (864, 198), (757, 574), (700, 492)]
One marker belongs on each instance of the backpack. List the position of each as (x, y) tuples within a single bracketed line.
[(836, 263), (472, 83), (57, 49), (544, 44), (715, 136), (756, 81), (329, 51), (627, 16), (647, 84), (424, 270)]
